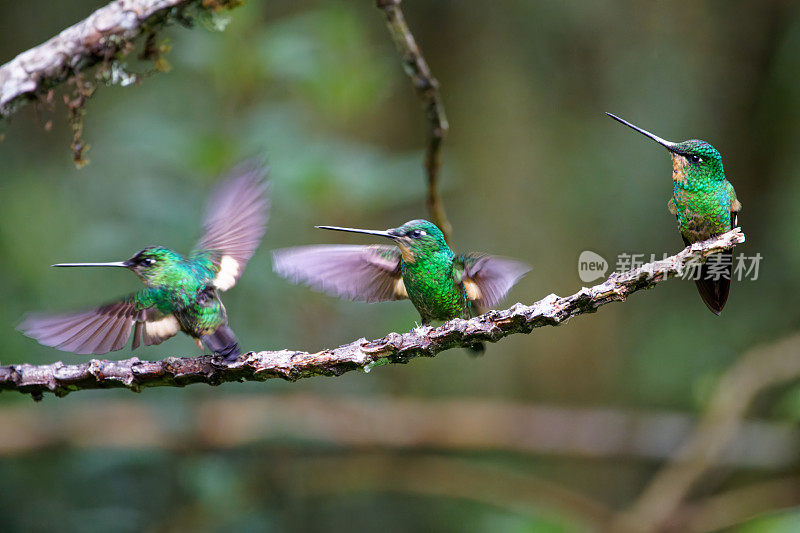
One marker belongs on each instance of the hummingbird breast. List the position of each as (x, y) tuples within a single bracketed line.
[(186, 290), (203, 314), (703, 212), (433, 291)]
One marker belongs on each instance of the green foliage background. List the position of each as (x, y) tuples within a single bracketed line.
[(532, 169)]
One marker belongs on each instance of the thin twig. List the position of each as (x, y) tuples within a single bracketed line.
[(97, 38), (427, 88), (757, 370), (362, 354)]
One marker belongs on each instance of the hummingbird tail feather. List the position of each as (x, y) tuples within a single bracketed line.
[(714, 292), (223, 343), (477, 349)]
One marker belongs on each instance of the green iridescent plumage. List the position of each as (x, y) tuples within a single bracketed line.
[(704, 204), (420, 267), (181, 293)]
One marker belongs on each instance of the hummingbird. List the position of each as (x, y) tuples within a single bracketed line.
[(705, 205), (181, 293), (420, 266)]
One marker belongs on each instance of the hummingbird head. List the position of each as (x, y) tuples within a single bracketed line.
[(150, 264), (418, 237), (414, 238), (694, 162)]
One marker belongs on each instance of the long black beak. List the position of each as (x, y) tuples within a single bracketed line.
[(123, 264), (388, 233), (663, 142)]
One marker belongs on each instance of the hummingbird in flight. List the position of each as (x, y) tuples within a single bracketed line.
[(419, 266), (705, 205), (181, 293)]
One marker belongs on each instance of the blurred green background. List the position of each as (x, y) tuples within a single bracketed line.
[(532, 169)]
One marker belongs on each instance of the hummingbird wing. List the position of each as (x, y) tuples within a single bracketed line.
[(236, 218), (362, 273), (487, 278), (102, 330), (736, 206)]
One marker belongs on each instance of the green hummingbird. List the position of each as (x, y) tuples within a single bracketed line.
[(181, 292), (420, 267), (705, 204)]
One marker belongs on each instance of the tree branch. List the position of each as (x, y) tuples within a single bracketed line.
[(97, 38), (397, 424), (427, 89), (362, 354)]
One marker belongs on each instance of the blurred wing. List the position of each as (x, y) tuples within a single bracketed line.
[(102, 330), (361, 273), (487, 278), (236, 219), (736, 206)]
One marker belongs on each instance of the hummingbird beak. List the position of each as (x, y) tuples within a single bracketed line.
[(663, 142), (123, 264), (388, 234)]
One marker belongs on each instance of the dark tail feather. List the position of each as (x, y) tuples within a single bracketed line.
[(714, 292), (477, 349), (223, 343)]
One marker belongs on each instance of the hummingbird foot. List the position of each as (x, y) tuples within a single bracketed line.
[(231, 357)]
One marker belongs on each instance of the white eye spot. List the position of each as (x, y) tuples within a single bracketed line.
[(422, 233)]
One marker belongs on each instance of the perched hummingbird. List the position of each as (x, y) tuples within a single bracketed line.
[(420, 267), (181, 293), (705, 205)]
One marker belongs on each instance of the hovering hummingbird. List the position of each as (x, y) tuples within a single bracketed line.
[(705, 205), (181, 293), (420, 267)]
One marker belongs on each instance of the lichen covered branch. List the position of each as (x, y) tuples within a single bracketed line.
[(362, 354), (427, 89), (100, 37)]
